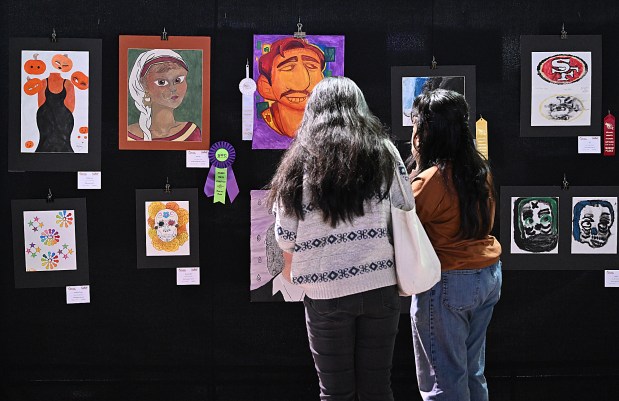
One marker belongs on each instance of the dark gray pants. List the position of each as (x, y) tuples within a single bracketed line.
[(352, 340)]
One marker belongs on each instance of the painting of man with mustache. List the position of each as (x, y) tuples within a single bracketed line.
[(286, 69)]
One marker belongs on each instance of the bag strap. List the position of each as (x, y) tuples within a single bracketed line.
[(396, 173)]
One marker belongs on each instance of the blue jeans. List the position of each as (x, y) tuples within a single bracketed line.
[(449, 324), (352, 340)]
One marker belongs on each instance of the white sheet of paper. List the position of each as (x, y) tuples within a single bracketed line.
[(589, 144), (88, 180), (187, 276), (78, 294), (197, 159), (611, 278)]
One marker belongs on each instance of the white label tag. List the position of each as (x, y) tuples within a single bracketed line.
[(187, 276), (88, 180), (589, 144), (611, 278), (197, 159), (78, 294)]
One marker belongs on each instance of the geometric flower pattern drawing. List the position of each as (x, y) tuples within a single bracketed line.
[(167, 228), (50, 240), (64, 218), (535, 225), (593, 225)]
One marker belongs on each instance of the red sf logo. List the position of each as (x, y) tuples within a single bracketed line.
[(562, 69)]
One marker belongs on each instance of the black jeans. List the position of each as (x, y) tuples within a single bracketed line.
[(352, 340)]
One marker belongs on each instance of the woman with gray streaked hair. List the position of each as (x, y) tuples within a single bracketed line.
[(332, 195)]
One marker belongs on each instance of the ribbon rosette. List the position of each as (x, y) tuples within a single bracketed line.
[(221, 177)]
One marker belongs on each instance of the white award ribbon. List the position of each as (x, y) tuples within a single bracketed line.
[(247, 86)]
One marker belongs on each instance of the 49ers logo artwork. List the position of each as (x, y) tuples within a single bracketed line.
[(562, 69), (561, 88)]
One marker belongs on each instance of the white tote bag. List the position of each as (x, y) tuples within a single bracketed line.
[(416, 264)]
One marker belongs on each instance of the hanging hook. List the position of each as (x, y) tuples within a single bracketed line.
[(565, 185), (53, 39), (167, 186), (434, 63), (299, 34), (164, 34), (50, 197), (563, 32)]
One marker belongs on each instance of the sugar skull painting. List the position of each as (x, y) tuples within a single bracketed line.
[(49, 237), (167, 228), (593, 225), (286, 69), (535, 225)]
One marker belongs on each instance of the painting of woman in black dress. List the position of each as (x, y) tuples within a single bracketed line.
[(54, 102)]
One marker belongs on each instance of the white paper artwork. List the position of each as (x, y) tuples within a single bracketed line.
[(593, 225), (535, 225), (49, 236), (561, 89)]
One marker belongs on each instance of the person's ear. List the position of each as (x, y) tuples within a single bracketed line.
[(265, 88)]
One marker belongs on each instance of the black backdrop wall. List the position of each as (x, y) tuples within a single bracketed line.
[(142, 337)]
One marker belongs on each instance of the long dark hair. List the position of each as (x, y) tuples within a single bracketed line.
[(444, 139), (340, 154)]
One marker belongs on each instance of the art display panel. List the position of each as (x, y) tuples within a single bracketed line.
[(266, 257), (55, 104), (285, 70), (164, 92), (167, 228), (50, 242), (409, 82), (561, 85), (547, 228)]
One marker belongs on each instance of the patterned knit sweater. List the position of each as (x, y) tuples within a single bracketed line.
[(351, 258)]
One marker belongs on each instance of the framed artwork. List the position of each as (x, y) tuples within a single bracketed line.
[(54, 104), (267, 260), (282, 90), (409, 82), (167, 228), (546, 228), (164, 92), (561, 85), (50, 247)]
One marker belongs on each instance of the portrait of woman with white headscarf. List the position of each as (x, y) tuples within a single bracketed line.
[(158, 85)]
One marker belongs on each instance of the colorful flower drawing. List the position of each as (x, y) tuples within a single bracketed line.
[(53, 247), (64, 218), (49, 261), (50, 237)]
